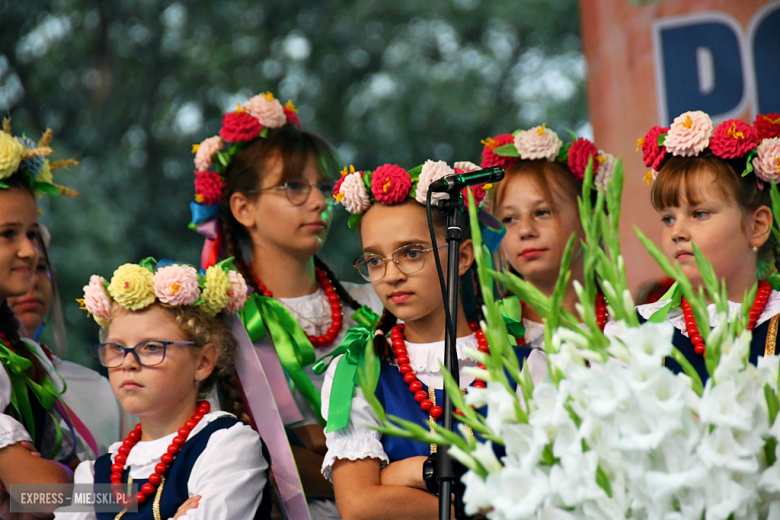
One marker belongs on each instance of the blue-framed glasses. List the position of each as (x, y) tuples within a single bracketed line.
[(147, 353)]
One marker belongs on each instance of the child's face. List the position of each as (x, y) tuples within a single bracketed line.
[(536, 236), (31, 308), (161, 390), (415, 296), (272, 219), (18, 245), (717, 227)]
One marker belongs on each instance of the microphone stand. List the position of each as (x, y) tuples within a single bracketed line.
[(445, 473)]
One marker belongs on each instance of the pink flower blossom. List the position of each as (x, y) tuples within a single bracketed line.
[(606, 168), (267, 110), (96, 299), (390, 184), (538, 143), (177, 285), (237, 293), (689, 134), (733, 138), (353, 195), (431, 171), (466, 166), (767, 163), (206, 151)]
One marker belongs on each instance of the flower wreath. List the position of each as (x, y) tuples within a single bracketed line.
[(136, 286), (245, 124), (391, 184), (541, 143), (25, 158), (692, 132), (251, 121)]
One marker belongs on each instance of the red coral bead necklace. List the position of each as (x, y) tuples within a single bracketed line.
[(756, 310), (337, 320), (410, 378), (148, 489)]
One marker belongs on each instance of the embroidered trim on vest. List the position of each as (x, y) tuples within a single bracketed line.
[(771, 336)]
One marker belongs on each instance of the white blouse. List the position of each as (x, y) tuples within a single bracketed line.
[(357, 441), (312, 312), (12, 431), (677, 319), (229, 474)]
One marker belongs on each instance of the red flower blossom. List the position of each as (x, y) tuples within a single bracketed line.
[(767, 125), (292, 116), (390, 184), (239, 126), (491, 159), (208, 187), (653, 154), (478, 192), (733, 138), (579, 153)]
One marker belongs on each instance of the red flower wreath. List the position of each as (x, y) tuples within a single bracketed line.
[(733, 138), (208, 187), (239, 126), (653, 154), (767, 125), (579, 153), (390, 184), (491, 159)]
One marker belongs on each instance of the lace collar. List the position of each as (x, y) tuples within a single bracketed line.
[(676, 318)]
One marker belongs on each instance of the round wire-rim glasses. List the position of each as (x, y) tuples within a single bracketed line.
[(409, 259), (147, 353), (298, 190)]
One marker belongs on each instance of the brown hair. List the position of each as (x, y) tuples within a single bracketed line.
[(203, 329), (245, 173), (681, 176), (547, 175)]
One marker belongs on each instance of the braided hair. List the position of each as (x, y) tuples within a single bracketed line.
[(245, 173)]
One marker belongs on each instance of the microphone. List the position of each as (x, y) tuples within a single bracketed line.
[(455, 183)]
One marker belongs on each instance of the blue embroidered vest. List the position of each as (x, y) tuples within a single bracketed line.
[(175, 491), (759, 346)]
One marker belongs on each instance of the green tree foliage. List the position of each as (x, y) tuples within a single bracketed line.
[(129, 85)]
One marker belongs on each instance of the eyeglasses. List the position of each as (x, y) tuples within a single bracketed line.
[(147, 353), (408, 259), (298, 190)]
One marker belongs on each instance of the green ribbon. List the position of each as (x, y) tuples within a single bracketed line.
[(294, 349), (352, 351), (674, 295), (17, 367), (512, 311)]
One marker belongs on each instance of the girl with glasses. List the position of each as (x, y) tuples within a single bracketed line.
[(269, 204), (373, 475), (167, 345), (37, 443)]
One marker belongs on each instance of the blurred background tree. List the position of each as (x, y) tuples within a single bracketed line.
[(129, 85)]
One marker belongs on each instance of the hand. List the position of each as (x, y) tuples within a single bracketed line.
[(406, 472), (190, 503)]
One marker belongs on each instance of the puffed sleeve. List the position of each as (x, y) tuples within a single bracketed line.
[(84, 474), (229, 475), (355, 441)]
